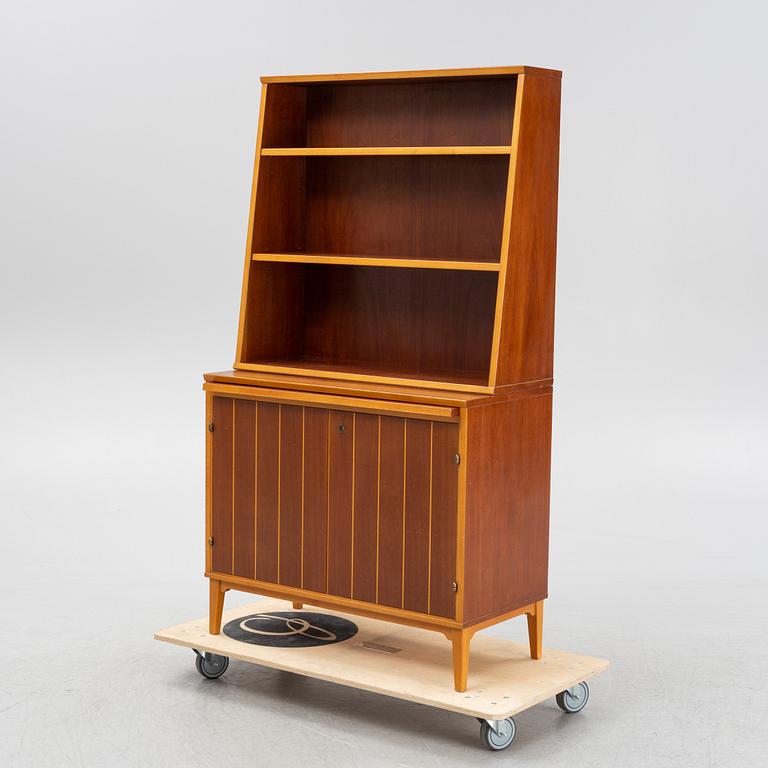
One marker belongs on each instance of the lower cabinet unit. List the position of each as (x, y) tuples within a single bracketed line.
[(423, 514), (355, 505)]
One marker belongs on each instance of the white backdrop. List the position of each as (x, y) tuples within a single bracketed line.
[(127, 132)]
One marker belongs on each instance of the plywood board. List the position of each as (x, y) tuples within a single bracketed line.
[(503, 679)]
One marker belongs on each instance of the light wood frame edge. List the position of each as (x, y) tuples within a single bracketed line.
[(422, 74), (433, 622), (371, 378), (461, 514), (506, 229), (483, 149), (334, 602), (337, 402), (375, 261), (249, 235), (208, 479)]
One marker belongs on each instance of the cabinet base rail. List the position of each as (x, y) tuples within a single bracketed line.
[(457, 633)]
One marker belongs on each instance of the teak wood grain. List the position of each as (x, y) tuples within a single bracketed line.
[(315, 499), (244, 489), (222, 485), (443, 519), (425, 206), (383, 444), (507, 507), (527, 322), (267, 490), (391, 512), (357, 505), (365, 511), (290, 510), (340, 463), (449, 313)]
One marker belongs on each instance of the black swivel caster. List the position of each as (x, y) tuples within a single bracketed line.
[(211, 665)]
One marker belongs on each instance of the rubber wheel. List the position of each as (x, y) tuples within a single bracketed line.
[(498, 741), (570, 703), (211, 665)]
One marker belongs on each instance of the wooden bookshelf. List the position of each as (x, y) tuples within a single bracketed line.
[(400, 257), (349, 151), (374, 261)]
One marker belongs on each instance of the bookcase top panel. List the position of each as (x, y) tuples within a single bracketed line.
[(422, 74)]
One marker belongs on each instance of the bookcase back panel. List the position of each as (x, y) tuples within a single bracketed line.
[(435, 207), (274, 312), (417, 319), (420, 322), (456, 112)]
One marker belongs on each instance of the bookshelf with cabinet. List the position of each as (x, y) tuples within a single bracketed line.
[(382, 444)]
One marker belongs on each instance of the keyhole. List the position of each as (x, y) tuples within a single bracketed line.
[(341, 428)]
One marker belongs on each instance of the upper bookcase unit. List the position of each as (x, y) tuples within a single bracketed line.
[(402, 228)]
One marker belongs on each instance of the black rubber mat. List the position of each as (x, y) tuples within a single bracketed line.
[(290, 629)]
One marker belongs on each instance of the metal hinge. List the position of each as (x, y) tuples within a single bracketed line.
[(454, 587), (210, 541), (210, 426), (456, 458)]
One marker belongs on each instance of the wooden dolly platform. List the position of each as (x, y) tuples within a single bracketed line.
[(411, 664)]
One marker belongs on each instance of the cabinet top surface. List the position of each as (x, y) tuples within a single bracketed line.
[(419, 74), (373, 390)]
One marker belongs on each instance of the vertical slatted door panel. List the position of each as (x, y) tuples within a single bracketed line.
[(418, 437), (445, 479), (391, 497), (365, 507), (221, 482), (267, 491), (315, 485), (244, 488), (340, 477), (289, 508)]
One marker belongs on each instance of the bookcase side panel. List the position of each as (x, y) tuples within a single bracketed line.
[(271, 311), (527, 319), (242, 319)]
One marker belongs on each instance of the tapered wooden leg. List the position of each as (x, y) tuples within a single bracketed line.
[(460, 641), (535, 627), (297, 606), (215, 607)]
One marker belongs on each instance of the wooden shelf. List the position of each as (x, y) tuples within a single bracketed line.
[(375, 261), (466, 381), (354, 151)]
